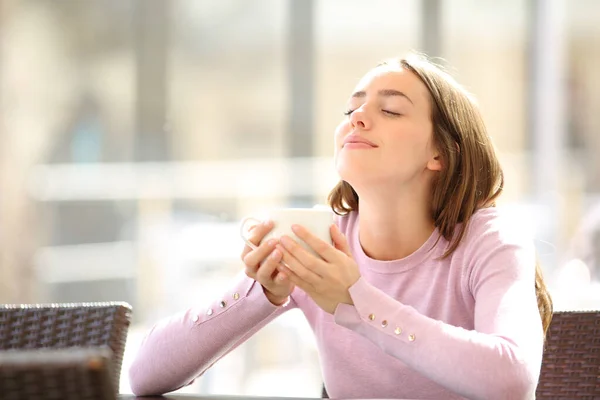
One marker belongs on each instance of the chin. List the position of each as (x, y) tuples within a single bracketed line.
[(354, 175)]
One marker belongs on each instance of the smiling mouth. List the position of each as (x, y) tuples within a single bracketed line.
[(358, 141), (359, 145)]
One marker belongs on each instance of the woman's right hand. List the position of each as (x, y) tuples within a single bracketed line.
[(261, 265)]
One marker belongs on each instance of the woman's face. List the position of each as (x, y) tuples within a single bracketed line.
[(386, 135)]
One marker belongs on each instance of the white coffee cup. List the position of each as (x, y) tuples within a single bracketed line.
[(317, 220)]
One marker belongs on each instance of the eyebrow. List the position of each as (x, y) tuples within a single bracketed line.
[(383, 92)]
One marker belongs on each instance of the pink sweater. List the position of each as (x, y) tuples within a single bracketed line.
[(420, 328)]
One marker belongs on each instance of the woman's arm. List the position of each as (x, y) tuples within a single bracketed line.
[(179, 349), (500, 358)]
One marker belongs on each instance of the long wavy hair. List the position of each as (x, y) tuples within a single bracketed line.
[(472, 177)]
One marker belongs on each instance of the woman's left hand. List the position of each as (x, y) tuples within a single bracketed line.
[(326, 279)]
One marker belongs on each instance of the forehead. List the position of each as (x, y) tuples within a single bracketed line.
[(391, 77)]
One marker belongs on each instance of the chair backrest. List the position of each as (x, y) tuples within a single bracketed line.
[(571, 363), (59, 326)]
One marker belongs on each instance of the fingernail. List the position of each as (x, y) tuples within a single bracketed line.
[(285, 240), (295, 228), (275, 254), (272, 242)]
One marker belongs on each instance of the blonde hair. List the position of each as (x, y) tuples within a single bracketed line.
[(472, 177)]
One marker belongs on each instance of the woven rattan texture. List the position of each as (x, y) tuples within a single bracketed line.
[(571, 364), (63, 374), (67, 325)]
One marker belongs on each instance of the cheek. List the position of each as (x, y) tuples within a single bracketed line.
[(340, 133), (415, 140)]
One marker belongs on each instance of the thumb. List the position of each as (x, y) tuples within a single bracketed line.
[(339, 240)]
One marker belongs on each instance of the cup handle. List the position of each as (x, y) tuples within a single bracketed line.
[(242, 231)]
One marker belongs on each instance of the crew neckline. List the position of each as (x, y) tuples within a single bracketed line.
[(426, 251)]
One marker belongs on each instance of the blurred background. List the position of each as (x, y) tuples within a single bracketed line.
[(135, 134)]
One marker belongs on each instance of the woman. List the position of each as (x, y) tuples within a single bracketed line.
[(426, 293)]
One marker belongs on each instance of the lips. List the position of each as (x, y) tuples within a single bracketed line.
[(355, 139)]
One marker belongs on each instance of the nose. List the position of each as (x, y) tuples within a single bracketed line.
[(359, 118)]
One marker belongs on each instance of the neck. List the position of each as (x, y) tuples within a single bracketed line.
[(394, 226)]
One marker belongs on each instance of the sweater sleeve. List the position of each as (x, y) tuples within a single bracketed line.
[(179, 349), (499, 359)]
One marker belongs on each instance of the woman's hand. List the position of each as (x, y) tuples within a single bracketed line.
[(261, 265), (326, 279)]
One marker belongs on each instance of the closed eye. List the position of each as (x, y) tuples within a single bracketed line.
[(349, 112)]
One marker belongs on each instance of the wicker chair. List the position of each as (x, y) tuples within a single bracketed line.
[(57, 374), (60, 326), (571, 364)]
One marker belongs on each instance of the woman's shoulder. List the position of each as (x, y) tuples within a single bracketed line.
[(498, 242), (496, 226)]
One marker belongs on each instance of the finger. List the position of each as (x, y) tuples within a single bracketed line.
[(288, 274), (268, 268), (322, 248), (257, 233), (307, 258), (255, 257), (294, 265), (252, 269), (280, 276), (339, 240)]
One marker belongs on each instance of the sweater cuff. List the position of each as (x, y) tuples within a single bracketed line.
[(245, 288), (379, 311), (346, 315)]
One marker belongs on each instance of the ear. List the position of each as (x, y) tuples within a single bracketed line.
[(435, 162)]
